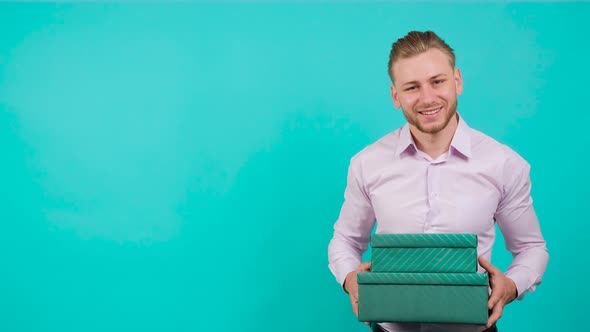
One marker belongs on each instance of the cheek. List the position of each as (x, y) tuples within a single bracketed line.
[(449, 95), (408, 102)]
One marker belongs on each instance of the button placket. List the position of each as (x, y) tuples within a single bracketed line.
[(430, 196), (434, 202)]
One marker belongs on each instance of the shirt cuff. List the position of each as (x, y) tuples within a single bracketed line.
[(342, 271), (524, 279)]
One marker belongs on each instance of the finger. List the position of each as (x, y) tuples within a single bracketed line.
[(487, 265), (355, 308), (369, 324), (366, 266), (494, 299), (496, 294), (496, 314)]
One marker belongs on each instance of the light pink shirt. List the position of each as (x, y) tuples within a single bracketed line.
[(476, 183)]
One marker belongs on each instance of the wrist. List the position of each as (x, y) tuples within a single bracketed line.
[(514, 290), (347, 281)]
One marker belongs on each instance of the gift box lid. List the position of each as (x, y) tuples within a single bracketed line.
[(424, 240), (455, 279)]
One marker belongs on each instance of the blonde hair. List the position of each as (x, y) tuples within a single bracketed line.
[(417, 42)]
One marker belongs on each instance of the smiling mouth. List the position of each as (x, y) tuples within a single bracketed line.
[(431, 112)]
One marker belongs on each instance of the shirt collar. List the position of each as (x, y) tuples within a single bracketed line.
[(405, 140), (461, 140)]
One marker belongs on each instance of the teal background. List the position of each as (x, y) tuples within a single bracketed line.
[(179, 167)]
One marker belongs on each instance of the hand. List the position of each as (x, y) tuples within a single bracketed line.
[(352, 288), (503, 291)]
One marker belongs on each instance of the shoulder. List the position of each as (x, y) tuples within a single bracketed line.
[(486, 146), (496, 153), (383, 149)]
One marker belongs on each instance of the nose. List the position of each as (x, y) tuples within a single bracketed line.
[(427, 95)]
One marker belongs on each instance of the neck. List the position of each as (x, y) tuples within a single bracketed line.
[(438, 143)]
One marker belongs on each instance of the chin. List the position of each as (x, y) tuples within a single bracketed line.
[(432, 129)]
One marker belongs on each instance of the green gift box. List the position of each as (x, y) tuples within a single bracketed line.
[(433, 253), (423, 297)]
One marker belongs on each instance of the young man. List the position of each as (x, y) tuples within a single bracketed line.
[(437, 175)]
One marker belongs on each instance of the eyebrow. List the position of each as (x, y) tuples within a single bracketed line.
[(433, 77)]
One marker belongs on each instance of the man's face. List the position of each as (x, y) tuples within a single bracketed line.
[(426, 88)]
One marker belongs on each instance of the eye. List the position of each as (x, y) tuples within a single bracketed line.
[(438, 81), (410, 88)]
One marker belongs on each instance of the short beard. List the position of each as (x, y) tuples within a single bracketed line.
[(434, 130)]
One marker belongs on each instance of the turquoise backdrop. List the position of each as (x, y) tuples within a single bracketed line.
[(179, 167)]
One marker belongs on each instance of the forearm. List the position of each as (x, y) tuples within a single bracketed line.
[(344, 255), (529, 251), (527, 269)]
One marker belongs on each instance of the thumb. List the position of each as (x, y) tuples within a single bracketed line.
[(486, 265), (366, 266)]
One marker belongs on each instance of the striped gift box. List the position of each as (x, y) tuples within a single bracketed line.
[(423, 297), (421, 253)]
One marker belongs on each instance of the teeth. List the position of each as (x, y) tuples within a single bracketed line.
[(431, 112)]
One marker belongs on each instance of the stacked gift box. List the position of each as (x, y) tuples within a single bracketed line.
[(423, 278)]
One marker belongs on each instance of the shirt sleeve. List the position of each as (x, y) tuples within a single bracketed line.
[(519, 225), (353, 227)]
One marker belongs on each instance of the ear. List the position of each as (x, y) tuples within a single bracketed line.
[(395, 97), (458, 81)]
